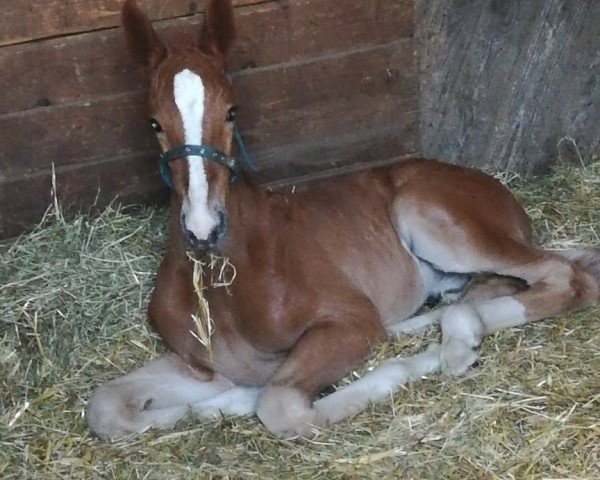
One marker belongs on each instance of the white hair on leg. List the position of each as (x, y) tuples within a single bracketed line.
[(464, 326), (236, 401), (377, 385), (156, 395)]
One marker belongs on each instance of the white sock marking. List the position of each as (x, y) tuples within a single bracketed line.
[(188, 91), (235, 401), (464, 326), (378, 385)]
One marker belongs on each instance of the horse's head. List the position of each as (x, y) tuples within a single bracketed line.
[(192, 112)]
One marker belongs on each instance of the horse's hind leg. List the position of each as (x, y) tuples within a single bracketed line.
[(555, 286), (445, 227), (482, 287), (156, 395)]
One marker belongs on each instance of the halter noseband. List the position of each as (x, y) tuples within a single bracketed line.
[(203, 151)]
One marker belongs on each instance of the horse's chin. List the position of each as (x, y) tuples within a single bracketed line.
[(202, 253)]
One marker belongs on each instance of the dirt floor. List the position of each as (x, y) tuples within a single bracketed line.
[(73, 296)]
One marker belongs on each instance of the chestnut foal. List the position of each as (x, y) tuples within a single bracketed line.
[(323, 275)]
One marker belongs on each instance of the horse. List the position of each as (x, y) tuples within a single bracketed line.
[(323, 274)]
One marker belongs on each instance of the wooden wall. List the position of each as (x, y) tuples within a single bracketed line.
[(323, 86), (503, 80), (320, 86)]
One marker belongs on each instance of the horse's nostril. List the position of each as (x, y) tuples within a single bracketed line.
[(191, 238), (200, 245), (213, 237), (218, 231)]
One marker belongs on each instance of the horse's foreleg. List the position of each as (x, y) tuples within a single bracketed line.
[(156, 395), (325, 353), (415, 324), (235, 401), (377, 385)]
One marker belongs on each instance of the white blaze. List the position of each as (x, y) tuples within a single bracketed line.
[(188, 91)]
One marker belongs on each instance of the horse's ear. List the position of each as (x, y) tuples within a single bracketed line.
[(218, 31), (144, 45)]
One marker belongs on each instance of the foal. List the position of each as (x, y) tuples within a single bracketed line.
[(323, 275)]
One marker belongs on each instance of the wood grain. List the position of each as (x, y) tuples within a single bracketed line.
[(368, 89), (278, 107), (24, 21), (89, 66), (503, 80), (328, 154), (132, 180)]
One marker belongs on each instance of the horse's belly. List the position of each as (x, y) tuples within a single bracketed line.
[(397, 290)]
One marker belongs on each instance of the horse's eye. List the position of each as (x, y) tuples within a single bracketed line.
[(231, 114), (155, 125)]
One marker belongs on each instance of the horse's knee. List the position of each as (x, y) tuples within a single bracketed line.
[(287, 412), (107, 413), (116, 410)]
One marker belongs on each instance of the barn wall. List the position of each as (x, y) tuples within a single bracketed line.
[(503, 80), (320, 87)]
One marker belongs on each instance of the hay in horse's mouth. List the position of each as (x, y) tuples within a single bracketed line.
[(210, 271)]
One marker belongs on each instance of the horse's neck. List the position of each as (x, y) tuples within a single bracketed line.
[(247, 210), (244, 202)]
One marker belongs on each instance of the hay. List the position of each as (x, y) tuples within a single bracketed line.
[(73, 296), (220, 273)]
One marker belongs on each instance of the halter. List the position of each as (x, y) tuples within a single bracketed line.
[(203, 151), (208, 153)]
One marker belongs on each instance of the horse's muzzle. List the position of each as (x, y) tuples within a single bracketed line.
[(213, 239)]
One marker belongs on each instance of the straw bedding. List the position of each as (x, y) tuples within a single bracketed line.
[(73, 295)]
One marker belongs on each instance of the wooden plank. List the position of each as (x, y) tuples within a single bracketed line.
[(345, 94), (313, 157), (135, 180), (503, 81), (370, 88), (24, 21), (305, 180), (297, 30), (132, 179), (86, 67), (74, 134)]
